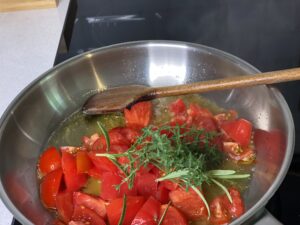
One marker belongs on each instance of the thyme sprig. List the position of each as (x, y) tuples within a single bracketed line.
[(187, 156)]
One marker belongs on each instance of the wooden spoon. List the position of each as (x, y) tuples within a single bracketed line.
[(116, 99)]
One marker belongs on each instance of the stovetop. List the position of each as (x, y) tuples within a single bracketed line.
[(264, 33)]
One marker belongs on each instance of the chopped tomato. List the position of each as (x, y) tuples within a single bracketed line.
[(108, 189), (189, 203), (226, 116), (169, 185), (70, 149), (139, 115), (239, 130), (162, 194), (130, 134), (148, 214), (195, 110), (50, 160), (178, 120), (206, 123), (89, 141), (237, 153), (222, 210), (219, 212), (119, 148), (95, 173), (99, 145), (73, 180), (236, 208), (117, 138), (201, 118), (146, 184), (83, 162), (95, 204), (114, 209), (49, 188), (64, 205), (178, 107), (102, 163), (87, 216), (172, 216)]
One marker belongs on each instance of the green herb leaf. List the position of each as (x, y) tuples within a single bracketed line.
[(172, 175), (223, 188), (203, 199), (233, 176), (221, 172), (106, 136), (164, 214), (123, 210)]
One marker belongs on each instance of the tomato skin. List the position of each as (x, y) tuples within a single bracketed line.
[(148, 214), (64, 205), (108, 189), (86, 215), (49, 188), (146, 185), (162, 194), (102, 163), (114, 209), (73, 180), (219, 212), (172, 217), (50, 160), (95, 204), (139, 115), (95, 173), (189, 203), (83, 162), (239, 130)]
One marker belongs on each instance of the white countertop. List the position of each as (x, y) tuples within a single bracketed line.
[(28, 45)]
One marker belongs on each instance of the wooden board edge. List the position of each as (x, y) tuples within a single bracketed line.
[(26, 6)]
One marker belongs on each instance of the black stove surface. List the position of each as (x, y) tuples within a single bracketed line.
[(265, 33)]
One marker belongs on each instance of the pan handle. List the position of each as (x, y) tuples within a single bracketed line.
[(267, 219)]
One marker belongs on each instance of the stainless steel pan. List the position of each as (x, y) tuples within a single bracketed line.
[(42, 106)]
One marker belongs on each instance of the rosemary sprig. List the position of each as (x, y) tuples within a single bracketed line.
[(123, 210), (164, 214), (106, 136)]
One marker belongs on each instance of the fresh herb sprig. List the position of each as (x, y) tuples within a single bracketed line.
[(187, 156)]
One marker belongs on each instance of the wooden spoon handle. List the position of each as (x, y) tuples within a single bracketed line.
[(228, 83)]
